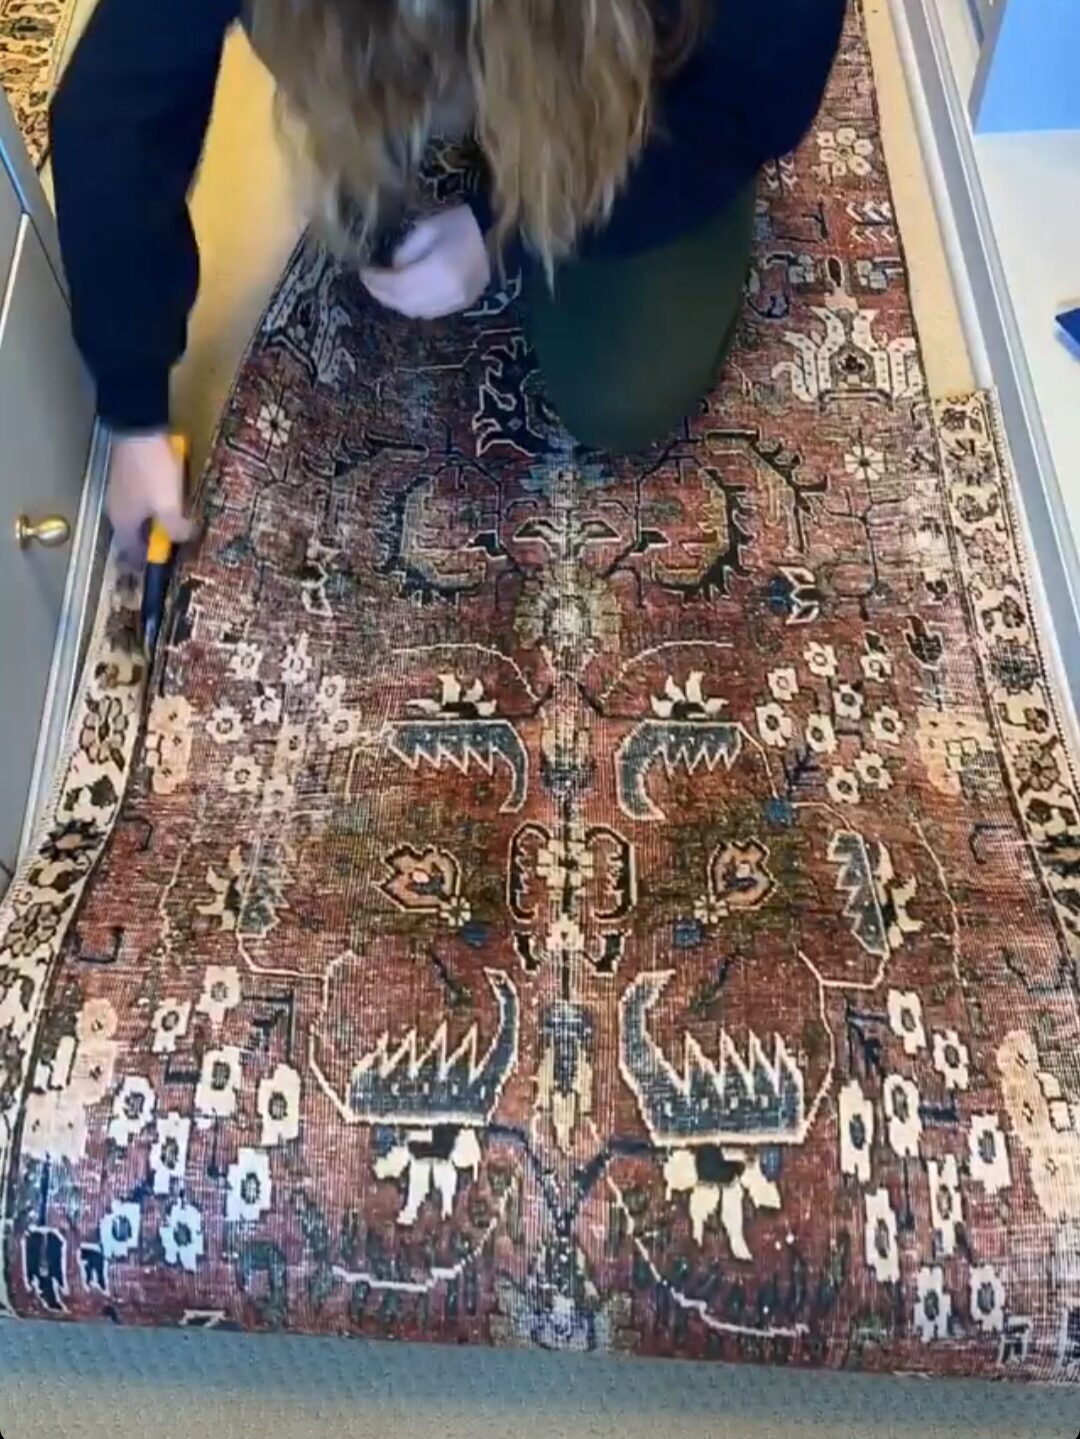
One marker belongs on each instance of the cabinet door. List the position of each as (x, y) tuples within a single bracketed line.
[(28, 187), (46, 426), (10, 215)]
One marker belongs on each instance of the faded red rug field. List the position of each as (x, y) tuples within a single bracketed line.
[(604, 905)]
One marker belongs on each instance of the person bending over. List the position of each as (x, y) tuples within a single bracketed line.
[(621, 140)]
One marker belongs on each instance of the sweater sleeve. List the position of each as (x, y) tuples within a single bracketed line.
[(749, 94), (128, 125)]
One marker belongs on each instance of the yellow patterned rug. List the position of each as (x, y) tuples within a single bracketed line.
[(33, 34)]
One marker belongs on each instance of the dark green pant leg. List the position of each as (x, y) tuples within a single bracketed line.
[(628, 347)]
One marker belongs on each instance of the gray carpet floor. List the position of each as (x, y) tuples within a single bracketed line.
[(79, 1383)]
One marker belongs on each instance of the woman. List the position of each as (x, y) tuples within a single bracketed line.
[(622, 139)]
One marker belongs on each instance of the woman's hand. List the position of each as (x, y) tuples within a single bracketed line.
[(146, 482), (440, 268)]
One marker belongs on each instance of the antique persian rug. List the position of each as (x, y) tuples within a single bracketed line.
[(601, 904), (32, 38)]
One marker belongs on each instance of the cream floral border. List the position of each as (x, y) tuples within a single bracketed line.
[(37, 911), (980, 490)]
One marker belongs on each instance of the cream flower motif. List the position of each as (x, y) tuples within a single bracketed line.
[(266, 707), (856, 1131), (92, 1071), (988, 1154), (168, 743), (946, 1203), (168, 1153), (170, 1024), (987, 1299), (933, 1307), (96, 1020), (219, 1080), (411, 1160), (243, 775), (119, 1230), (872, 772), (784, 685), (170, 714), (710, 911), (279, 795), (821, 661), (245, 661), (847, 702), (340, 730), (250, 1188), (289, 748), (901, 1099), (886, 726), (862, 462), (955, 748), (182, 1236), (279, 1106), (882, 1250), (54, 1127), (951, 1059), (821, 735), (691, 1172), (274, 425), (566, 864), (297, 664), (843, 787), (133, 1109), (906, 1019), (774, 726), (220, 992), (687, 702), (331, 694), (457, 912), (877, 666), (844, 152), (225, 725)]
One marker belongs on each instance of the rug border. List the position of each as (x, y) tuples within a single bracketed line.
[(45, 79), (1022, 564)]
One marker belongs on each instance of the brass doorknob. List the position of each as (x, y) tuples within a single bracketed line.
[(52, 531)]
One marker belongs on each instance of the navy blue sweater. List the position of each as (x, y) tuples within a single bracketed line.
[(131, 114)]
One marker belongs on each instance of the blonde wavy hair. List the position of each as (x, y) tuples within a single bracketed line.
[(559, 94)]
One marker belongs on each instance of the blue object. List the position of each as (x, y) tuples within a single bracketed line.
[(779, 813), (155, 590), (1028, 79), (1070, 323), (687, 933)]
